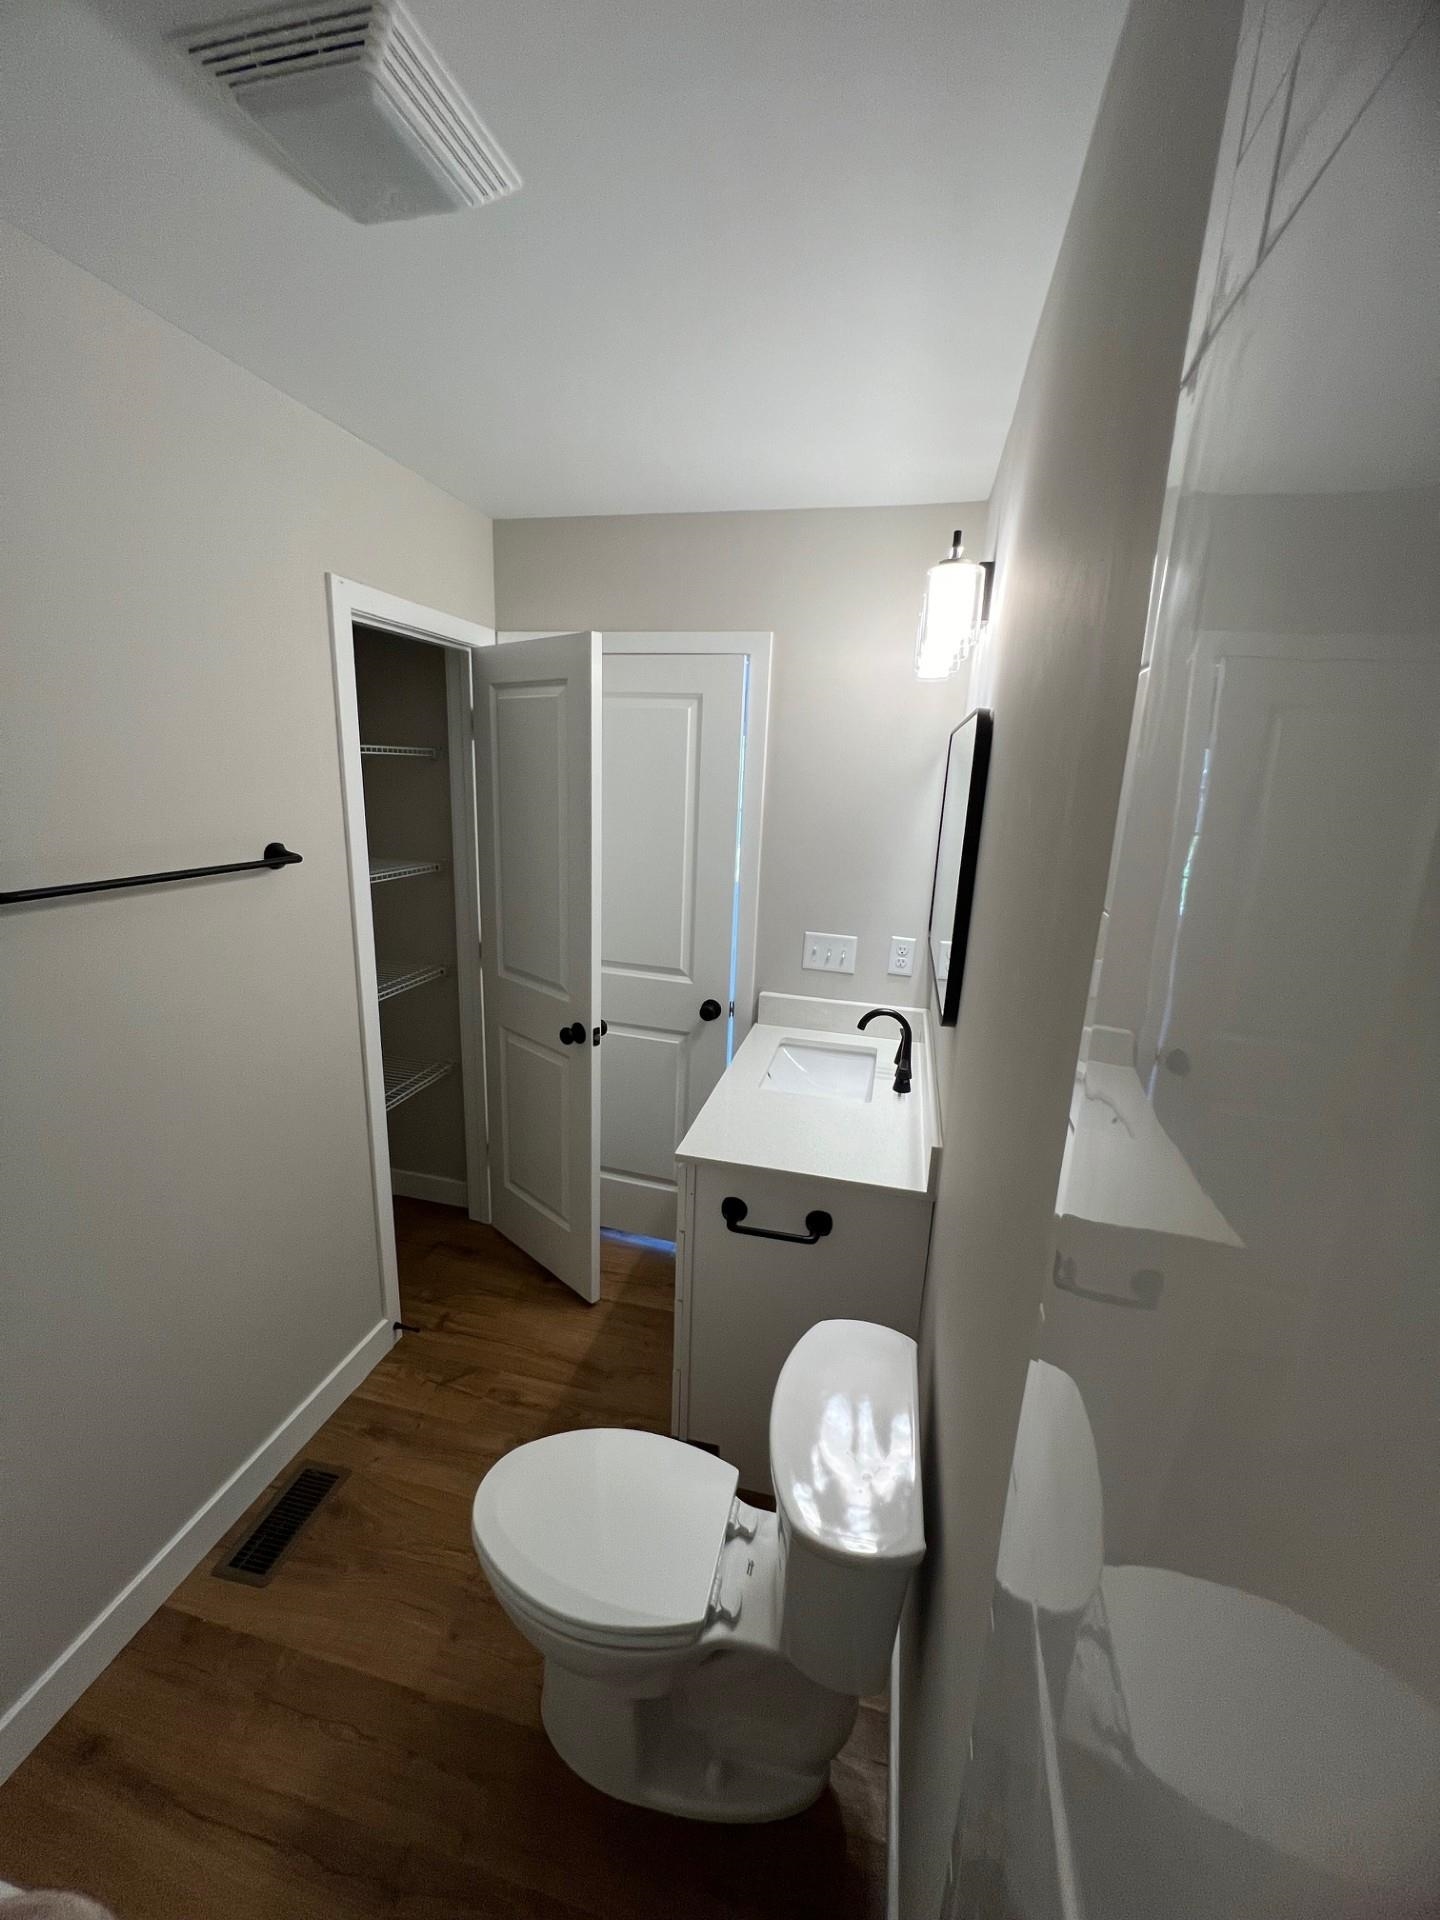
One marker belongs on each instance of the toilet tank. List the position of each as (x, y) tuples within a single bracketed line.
[(844, 1455)]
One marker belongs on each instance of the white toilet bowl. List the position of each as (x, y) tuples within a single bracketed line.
[(701, 1656)]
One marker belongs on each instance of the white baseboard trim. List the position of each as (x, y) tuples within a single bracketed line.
[(25, 1724), (429, 1186)]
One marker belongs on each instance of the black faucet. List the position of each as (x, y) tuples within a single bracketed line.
[(902, 1052)]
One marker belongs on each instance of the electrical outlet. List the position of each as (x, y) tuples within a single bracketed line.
[(829, 953), (902, 954)]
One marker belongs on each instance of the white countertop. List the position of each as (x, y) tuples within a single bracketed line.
[(889, 1140)]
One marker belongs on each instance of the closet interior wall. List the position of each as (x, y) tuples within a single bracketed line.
[(401, 695)]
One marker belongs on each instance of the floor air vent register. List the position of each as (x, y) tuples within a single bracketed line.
[(258, 1555)]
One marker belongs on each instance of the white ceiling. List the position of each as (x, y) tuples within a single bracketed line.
[(768, 253)]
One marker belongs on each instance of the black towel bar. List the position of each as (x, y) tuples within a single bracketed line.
[(817, 1224), (276, 854)]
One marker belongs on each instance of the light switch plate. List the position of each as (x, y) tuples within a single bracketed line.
[(902, 954), (829, 953)]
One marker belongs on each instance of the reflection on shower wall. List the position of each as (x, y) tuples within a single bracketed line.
[(1213, 1687)]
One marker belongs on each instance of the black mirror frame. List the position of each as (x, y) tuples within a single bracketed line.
[(948, 1006)]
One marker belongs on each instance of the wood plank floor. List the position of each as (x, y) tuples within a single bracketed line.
[(362, 1737)]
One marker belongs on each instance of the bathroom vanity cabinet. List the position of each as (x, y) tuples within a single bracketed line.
[(864, 1161)]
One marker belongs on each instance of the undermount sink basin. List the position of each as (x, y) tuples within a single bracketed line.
[(826, 1073)]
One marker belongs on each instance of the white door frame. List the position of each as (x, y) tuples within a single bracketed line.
[(349, 601), (755, 649)]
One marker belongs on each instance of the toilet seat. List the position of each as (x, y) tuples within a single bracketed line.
[(606, 1534)]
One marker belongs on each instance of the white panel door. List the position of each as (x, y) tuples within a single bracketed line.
[(537, 765), (674, 738)]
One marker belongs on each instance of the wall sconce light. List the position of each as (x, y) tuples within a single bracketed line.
[(955, 610)]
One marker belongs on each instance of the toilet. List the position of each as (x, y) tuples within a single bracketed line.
[(702, 1656)]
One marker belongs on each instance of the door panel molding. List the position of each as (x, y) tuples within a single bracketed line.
[(663, 1081), (546, 1125), (529, 779), (673, 841)]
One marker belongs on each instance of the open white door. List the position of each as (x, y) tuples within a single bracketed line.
[(537, 765)]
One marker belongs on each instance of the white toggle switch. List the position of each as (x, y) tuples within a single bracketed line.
[(829, 953), (902, 953)]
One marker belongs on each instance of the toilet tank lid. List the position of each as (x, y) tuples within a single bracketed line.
[(844, 1443)]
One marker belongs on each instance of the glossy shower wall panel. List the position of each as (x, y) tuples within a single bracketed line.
[(1214, 1684)]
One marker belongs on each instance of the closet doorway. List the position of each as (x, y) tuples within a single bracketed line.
[(470, 783), (424, 905)]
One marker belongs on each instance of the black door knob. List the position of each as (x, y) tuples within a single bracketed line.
[(572, 1036), (710, 1009)]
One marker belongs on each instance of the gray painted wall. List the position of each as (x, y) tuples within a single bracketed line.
[(1074, 518), (185, 1187)]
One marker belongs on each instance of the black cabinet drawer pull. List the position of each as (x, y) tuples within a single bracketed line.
[(817, 1225)]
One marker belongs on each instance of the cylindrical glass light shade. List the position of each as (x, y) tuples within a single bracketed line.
[(950, 617)]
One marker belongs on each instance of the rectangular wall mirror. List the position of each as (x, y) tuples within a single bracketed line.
[(967, 767)]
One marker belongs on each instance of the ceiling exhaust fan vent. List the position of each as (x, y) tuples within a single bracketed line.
[(361, 106)]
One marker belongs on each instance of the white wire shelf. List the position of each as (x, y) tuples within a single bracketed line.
[(400, 979), (377, 750), (405, 1078), (381, 870)]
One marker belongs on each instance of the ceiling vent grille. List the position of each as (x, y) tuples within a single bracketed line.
[(361, 106), (244, 52)]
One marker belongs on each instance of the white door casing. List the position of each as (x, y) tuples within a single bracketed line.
[(674, 737), (350, 601), (537, 758), (464, 843)]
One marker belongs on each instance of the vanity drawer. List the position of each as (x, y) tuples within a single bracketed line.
[(751, 1297)]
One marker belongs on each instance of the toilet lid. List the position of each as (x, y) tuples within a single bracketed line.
[(609, 1533)]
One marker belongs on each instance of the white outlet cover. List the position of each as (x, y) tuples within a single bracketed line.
[(902, 955)]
